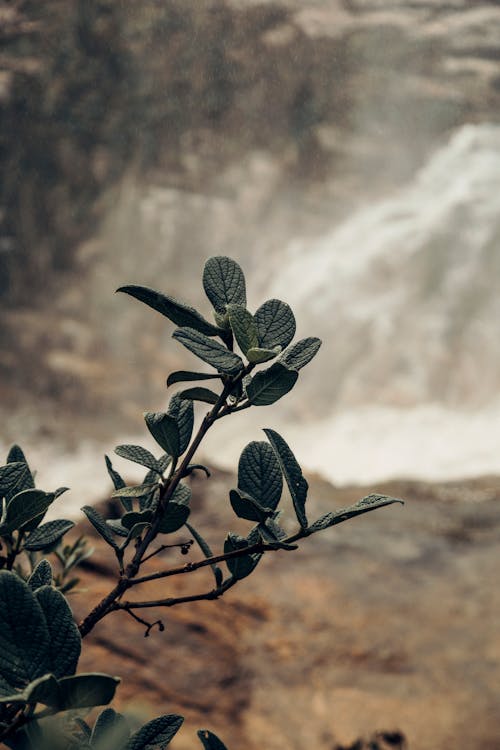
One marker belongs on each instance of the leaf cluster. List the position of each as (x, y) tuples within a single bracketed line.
[(40, 643)]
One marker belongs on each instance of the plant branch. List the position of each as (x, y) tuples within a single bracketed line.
[(173, 601), (190, 567), (106, 604)]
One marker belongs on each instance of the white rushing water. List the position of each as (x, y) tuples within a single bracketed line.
[(405, 294)]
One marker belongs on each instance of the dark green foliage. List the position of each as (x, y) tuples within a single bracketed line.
[(243, 327), (183, 376), (156, 734), (39, 641), (300, 353), (182, 411), (275, 324), (165, 431), (224, 283), (259, 474), (139, 456), (47, 535), (209, 351), (177, 312), (270, 385), (239, 567), (367, 504), (292, 472), (200, 394), (210, 741)]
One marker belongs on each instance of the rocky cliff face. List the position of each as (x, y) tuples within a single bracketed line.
[(357, 90)]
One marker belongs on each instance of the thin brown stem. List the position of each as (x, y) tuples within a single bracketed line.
[(173, 601)]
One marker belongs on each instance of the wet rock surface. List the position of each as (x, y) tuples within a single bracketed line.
[(388, 622)]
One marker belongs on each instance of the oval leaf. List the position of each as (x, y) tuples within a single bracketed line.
[(182, 411), (259, 474), (156, 734), (41, 576), (24, 638), (138, 455), (177, 312), (243, 327), (301, 353), (48, 534), (275, 323), (257, 355), (183, 376), (165, 431), (239, 567), (247, 507), (210, 741), (99, 524), (24, 507), (200, 394), (224, 283), (87, 690), (367, 504), (297, 485), (270, 385), (211, 352), (65, 642)]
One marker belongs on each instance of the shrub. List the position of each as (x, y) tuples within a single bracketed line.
[(42, 697)]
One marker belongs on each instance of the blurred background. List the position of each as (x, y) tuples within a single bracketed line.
[(347, 154)]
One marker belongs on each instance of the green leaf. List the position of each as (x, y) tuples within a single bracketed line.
[(270, 385), (48, 534), (301, 353), (245, 506), (243, 327), (205, 548), (275, 323), (24, 507), (16, 455), (200, 394), (42, 690), (210, 741), (224, 283), (257, 355), (274, 535), (15, 475), (136, 530), (110, 731), (239, 567), (64, 639), (177, 511), (116, 526), (367, 504), (24, 638), (87, 690), (165, 431), (259, 474), (183, 413), (138, 455), (118, 482), (99, 524), (41, 575), (130, 519), (138, 490), (183, 376), (177, 312), (297, 485), (211, 352), (156, 734)]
